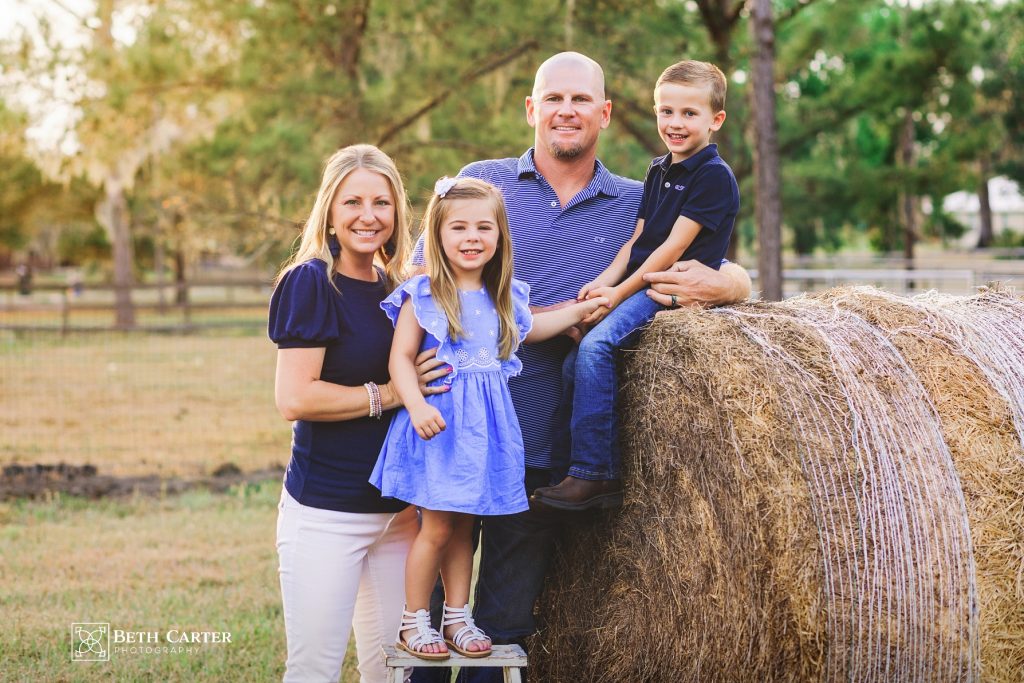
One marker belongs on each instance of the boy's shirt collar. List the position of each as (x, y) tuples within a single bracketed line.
[(692, 163)]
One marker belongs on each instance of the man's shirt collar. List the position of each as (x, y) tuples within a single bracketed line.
[(603, 181)]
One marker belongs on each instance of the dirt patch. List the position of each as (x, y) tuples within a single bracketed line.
[(41, 481)]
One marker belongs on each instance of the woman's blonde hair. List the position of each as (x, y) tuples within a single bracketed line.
[(497, 273), (314, 243)]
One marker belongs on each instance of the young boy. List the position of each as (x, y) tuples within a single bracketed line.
[(687, 212)]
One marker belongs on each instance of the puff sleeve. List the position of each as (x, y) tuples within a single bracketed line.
[(303, 309), (521, 307), (524, 323), (431, 318)]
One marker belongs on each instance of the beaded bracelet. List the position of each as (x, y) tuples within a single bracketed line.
[(376, 405), (377, 400)]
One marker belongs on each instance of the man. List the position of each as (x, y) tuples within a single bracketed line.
[(568, 216)]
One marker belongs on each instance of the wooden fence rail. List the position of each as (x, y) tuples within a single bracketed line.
[(242, 303), (167, 307)]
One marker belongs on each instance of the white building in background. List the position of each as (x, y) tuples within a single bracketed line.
[(1007, 209)]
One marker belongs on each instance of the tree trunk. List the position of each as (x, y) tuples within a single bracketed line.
[(160, 268), (180, 273), (985, 234), (907, 198), (768, 199), (570, 24), (112, 214), (349, 47), (720, 18), (112, 208)]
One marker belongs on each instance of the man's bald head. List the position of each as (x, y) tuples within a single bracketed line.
[(568, 109), (582, 64)]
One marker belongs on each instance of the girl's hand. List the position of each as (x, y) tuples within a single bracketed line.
[(610, 295), (427, 421), (593, 310), (429, 368)]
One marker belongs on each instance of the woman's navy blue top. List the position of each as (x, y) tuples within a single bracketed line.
[(331, 461)]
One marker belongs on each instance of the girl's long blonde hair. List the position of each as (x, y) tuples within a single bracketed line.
[(314, 243), (497, 273)]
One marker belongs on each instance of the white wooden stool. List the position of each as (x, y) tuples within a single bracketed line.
[(510, 658)]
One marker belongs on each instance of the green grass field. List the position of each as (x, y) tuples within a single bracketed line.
[(196, 562), (137, 405)]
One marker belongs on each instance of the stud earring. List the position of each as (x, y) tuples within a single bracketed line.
[(330, 230)]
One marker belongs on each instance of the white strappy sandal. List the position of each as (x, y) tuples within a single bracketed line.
[(425, 635), (466, 634)]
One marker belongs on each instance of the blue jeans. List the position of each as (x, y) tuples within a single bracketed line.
[(514, 556), (591, 449)]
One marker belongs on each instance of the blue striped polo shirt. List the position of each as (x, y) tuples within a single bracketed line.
[(557, 249)]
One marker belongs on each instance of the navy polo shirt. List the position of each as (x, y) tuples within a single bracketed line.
[(557, 249), (701, 188)]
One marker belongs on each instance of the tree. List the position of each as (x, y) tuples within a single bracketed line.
[(203, 123), (431, 83), (142, 80), (766, 156), (22, 185)]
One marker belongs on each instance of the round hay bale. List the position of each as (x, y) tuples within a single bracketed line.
[(828, 488), (933, 333)]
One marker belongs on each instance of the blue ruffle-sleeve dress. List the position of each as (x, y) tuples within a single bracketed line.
[(476, 464)]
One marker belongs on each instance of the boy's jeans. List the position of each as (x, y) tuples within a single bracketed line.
[(590, 447)]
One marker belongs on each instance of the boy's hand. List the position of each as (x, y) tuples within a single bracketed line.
[(587, 290), (427, 421)]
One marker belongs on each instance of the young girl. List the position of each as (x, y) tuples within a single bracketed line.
[(459, 453)]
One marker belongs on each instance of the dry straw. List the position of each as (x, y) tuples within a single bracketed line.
[(830, 488)]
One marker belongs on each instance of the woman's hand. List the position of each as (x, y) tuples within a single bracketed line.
[(428, 368), (427, 420)]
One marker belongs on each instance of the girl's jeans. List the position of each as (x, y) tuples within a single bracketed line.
[(590, 447)]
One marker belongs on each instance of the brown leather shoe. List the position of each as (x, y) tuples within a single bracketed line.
[(580, 494)]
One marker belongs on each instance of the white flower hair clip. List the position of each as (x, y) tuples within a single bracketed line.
[(442, 186)]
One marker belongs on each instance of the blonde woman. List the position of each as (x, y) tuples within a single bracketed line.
[(342, 547)]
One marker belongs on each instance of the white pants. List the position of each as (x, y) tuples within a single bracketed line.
[(340, 571)]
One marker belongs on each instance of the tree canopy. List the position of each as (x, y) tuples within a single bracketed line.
[(202, 124)]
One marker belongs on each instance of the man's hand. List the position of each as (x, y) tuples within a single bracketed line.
[(694, 284)]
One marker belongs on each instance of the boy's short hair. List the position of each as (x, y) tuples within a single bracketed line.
[(692, 72)]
